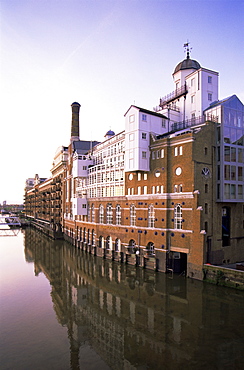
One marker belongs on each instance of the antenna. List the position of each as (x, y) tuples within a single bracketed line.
[(187, 49)]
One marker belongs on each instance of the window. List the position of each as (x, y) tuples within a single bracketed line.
[(162, 153), (153, 155), (232, 191), (233, 173), (139, 190), (178, 150), (178, 217), (92, 213), (227, 172), (151, 216), (131, 137), (192, 99), (163, 123), (227, 154), (145, 176), (209, 79), (144, 117), (118, 214), (83, 205), (84, 167), (139, 176), (117, 245), (240, 178), (143, 135), (233, 154), (132, 118), (175, 188), (206, 208), (132, 215), (109, 213), (101, 214), (209, 97), (205, 150), (240, 192), (144, 155), (206, 188), (206, 226), (145, 189)]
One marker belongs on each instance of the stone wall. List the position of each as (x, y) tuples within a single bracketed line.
[(224, 276)]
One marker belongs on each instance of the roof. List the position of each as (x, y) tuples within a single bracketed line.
[(110, 133), (83, 147), (152, 113), (187, 64), (232, 100)]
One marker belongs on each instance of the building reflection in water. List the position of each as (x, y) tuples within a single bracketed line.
[(137, 319)]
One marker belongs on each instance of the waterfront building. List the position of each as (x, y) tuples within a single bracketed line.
[(166, 193)]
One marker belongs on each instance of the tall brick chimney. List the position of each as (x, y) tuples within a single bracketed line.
[(75, 123)]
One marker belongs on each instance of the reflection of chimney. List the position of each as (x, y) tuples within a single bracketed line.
[(75, 129)]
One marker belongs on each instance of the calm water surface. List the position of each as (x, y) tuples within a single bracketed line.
[(64, 309)]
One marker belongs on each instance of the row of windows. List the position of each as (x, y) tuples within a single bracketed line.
[(210, 98), (105, 215), (232, 154), (158, 189)]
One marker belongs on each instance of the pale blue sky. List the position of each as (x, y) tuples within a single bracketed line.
[(106, 55)]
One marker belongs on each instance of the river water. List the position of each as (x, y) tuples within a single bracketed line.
[(64, 309)]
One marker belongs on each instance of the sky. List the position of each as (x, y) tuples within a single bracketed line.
[(106, 55)]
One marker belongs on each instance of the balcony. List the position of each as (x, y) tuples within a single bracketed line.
[(176, 126), (181, 91)]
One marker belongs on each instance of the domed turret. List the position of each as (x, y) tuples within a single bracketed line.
[(109, 134), (187, 63)]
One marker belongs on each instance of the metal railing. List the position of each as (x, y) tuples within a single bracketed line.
[(176, 126), (173, 95)]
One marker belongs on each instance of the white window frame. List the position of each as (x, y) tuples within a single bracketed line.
[(178, 217)]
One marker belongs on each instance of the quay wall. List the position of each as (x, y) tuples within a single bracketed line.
[(217, 275), (223, 276), (47, 228)]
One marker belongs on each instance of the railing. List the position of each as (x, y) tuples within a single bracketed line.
[(175, 94), (176, 126)]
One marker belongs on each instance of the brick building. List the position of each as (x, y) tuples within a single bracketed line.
[(165, 193)]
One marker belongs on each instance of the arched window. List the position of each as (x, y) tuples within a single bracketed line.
[(118, 214), (150, 247), (109, 213), (117, 245), (88, 212), (92, 213), (84, 235), (100, 242), (101, 214), (109, 242), (132, 215), (93, 237), (131, 246), (178, 216), (88, 236), (151, 216)]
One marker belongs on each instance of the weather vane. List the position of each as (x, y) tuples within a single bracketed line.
[(187, 49)]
